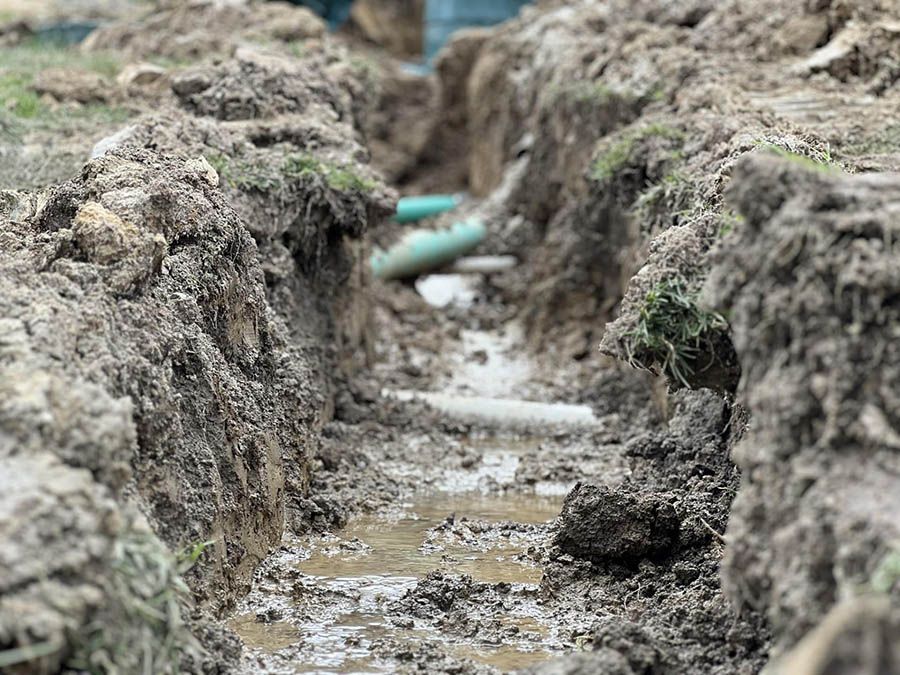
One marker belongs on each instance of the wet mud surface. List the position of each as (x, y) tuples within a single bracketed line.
[(662, 442), (439, 544)]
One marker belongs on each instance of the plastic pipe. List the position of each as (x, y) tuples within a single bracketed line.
[(483, 264), (502, 412), (410, 209), (425, 250)]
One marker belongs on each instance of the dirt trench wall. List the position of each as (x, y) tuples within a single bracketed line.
[(632, 234), (139, 349), (283, 137), (811, 280), (629, 118)]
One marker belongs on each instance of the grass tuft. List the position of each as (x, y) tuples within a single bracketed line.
[(817, 160), (887, 574), (246, 175), (673, 331), (617, 156), (140, 630)]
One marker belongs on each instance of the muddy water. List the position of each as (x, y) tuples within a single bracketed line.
[(345, 602), (341, 604)]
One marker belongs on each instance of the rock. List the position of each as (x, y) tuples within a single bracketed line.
[(71, 85), (606, 525), (137, 76), (111, 142)]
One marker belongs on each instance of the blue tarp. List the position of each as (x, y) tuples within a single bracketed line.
[(444, 17), (336, 12)]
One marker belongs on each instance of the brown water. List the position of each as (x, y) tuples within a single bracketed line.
[(375, 560), (397, 544)]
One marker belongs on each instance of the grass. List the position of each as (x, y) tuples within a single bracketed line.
[(887, 574), (32, 57), (816, 160), (608, 163), (672, 197), (245, 175), (22, 63), (673, 331), (140, 628), (585, 92), (337, 177)]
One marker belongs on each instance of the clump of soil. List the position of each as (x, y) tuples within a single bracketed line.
[(810, 279), (635, 567), (601, 525), (199, 29)]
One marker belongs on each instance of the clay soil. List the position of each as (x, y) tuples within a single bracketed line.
[(666, 441)]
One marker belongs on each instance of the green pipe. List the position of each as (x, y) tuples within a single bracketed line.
[(425, 250), (410, 209)]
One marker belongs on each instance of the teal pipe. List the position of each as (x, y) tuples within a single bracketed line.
[(426, 250), (410, 209)]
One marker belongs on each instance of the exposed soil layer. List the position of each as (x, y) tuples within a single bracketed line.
[(820, 458), (215, 451), (140, 349)]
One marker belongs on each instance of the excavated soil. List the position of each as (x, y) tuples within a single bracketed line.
[(666, 441)]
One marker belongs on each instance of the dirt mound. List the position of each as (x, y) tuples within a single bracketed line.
[(281, 135), (650, 548), (395, 25), (139, 346), (810, 280), (199, 29)]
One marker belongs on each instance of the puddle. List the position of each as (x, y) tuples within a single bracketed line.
[(400, 554), (375, 560), (270, 636)]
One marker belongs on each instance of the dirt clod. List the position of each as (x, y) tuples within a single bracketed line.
[(604, 525)]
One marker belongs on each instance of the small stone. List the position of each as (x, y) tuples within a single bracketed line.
[(141, 75), (204, 168)]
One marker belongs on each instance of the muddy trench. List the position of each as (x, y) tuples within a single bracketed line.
[(647, 424), (464, 517)]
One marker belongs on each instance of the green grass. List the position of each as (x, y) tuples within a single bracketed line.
[(612, 160), (673, 331), (22, 63), (673, 196), (17, 96), (887, 574), (585, 92), (727, 221), (140, 628), (33, 56), (245, 175), (337, 177), (817, 160)]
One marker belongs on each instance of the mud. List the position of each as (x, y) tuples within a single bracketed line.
[(664, 440)]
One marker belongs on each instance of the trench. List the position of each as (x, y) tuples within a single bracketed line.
[(344, 601)]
